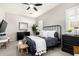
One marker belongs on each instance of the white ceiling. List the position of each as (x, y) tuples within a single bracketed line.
[(18, 8)]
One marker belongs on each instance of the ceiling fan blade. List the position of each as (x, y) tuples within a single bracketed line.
[(28, 8), (38, 4), (26, 3), (35, 9)]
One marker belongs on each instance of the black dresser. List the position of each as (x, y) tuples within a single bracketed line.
[(68, 41), (20, 35)]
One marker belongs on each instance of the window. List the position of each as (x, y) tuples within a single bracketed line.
[(72, 15)]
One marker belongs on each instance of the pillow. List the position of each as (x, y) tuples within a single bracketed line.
[(43, 33), (3, 37), (51, 34), (47, 33)]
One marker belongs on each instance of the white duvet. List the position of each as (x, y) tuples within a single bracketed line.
[(40, 45)]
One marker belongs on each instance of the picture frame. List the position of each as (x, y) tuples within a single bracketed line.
[(23, 26)]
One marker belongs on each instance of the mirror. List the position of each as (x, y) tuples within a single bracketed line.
[(23, 26)]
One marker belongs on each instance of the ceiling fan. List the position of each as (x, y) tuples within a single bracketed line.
[(32, 5)]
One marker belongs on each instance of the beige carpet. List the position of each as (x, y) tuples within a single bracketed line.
[(11, 50)]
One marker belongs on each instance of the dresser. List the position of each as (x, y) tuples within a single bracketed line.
[(68, 42), (20, 35)]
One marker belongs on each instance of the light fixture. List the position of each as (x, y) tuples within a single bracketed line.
[(31, 6)]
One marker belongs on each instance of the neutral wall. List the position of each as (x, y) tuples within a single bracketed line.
[(56, 16), (2, 14), (13, 23)]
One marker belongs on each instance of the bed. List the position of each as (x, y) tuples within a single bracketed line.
[(50, 41), (56, 40)]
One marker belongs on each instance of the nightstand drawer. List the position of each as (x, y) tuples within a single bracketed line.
[(67, 50), (70, 40), (67, 46)]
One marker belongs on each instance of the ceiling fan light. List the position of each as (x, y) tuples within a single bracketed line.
[(31, 6)]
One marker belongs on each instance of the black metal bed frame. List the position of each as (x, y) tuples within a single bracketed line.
[(54, 27)]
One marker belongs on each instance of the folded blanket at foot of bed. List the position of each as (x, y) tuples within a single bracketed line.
[(40, 45)]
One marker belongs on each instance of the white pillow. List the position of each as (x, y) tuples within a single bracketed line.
[(43, 33), (47, 33), (51, 34)]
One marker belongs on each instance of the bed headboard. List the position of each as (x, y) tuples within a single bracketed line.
[(54, 27)]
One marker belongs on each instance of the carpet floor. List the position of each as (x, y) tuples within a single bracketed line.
[(12, 50)]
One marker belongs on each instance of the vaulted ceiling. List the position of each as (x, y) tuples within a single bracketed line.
[(20, 9)]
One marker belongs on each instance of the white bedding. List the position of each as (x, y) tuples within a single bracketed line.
[(40, 44)]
